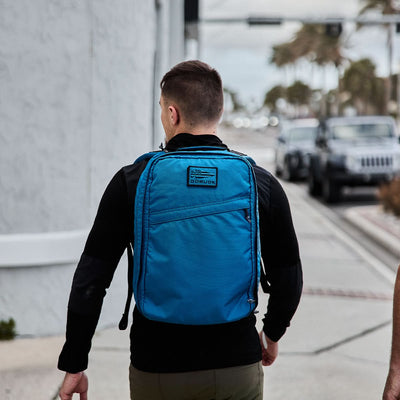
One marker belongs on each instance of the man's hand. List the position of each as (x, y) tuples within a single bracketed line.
[(269, 350), (392, 387), (74, 383)]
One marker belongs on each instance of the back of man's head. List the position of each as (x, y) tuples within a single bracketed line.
[(196, 89)]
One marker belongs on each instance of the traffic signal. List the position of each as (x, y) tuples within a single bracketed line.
[(264, 20), (333, 30), (191, 11)]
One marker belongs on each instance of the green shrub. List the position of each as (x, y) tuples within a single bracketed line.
[(7, 329), (389, 196)]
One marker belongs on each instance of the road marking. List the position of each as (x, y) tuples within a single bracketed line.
[(355, 294), (353, 337)]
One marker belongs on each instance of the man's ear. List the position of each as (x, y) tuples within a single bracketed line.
[(174, 115)]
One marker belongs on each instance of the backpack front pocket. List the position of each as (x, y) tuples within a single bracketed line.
[(197, 266)]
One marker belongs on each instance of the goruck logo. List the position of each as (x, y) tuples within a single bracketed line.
[(202, 176)]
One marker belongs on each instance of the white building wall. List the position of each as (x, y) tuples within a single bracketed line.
[(170, 48), (77, 83), (44, 120)]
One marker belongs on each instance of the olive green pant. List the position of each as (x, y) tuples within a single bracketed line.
[(238, 383)]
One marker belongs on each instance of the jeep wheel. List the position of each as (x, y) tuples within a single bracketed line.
[(314, 187), (287, 174), (330, 191)]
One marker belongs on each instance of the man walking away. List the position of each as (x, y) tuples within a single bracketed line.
[(175, 360)]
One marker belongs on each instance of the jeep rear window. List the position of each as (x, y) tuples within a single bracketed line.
[(348, 132), (302, 133)]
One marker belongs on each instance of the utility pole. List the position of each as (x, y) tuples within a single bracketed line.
[(192, 37), (396, 6)]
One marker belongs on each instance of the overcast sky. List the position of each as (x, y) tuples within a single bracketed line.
[(241, 53)]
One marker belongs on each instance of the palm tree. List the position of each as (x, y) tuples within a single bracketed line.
[(298, 94), (306, 40), (236, 104), (283, 56), (364, 87), (273, 95), (384, 7), (329, 50), (312, 43)]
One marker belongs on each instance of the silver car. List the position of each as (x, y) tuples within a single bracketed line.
[(294, 147)]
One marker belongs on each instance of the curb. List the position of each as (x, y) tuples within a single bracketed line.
[(366, 219)]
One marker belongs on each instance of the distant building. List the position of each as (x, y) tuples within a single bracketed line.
[(79, 87)]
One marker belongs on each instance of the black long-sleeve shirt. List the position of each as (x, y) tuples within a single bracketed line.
[(162, 347)]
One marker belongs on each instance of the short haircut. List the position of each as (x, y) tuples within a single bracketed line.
[(196, 88)]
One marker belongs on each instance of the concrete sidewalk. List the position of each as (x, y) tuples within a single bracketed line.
[(337, 347), (28, 367), (339, 342)]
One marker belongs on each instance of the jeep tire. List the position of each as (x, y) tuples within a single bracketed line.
[(314, 187), (287, 173), (330, 190)]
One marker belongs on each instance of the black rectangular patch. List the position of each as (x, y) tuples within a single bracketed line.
[(202, 176)]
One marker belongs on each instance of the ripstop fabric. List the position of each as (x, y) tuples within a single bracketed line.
[(196, 248)]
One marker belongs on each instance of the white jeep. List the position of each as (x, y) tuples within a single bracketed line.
[(353, 151)]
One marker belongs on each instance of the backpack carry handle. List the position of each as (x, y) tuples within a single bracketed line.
[(218, 148), (206, 148)]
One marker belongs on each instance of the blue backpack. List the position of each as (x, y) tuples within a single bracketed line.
[(196, 246)]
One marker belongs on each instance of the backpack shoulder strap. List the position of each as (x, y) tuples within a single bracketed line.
[(123, 324), (147, 156), (248, 158), (125, 316)]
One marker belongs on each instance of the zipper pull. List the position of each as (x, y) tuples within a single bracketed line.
[(246, 211)]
